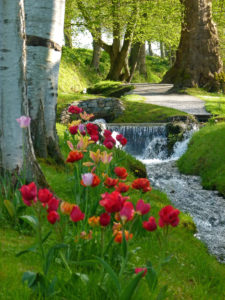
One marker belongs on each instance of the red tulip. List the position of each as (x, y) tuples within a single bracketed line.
[(110, 182), (142, 208), (74, 156), (95, 137), (142, 184), (122, 187), (92, 129), (74, 109), (73, 129), (112, 202), (53, 217), (150, 225), (96, 180), (138, 270), (29, 193), (169, 216), (107, 133), (76, 214), (44, 195), (127, 212), (121, 172), (104, 219), (53, 204)]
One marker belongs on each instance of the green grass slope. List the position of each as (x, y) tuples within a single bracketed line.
[(206, 157)]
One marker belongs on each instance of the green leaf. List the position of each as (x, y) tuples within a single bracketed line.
[(31, 249), (124, 246), (111, 272), (10, 208), (83, 277), (129, 290), (46, 237), (50, 256), (30, 277), (151, 277), (31, 220), (162, 293)]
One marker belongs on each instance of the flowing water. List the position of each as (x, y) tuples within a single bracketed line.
[(207, 208)]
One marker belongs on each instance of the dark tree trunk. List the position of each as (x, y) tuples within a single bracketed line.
[(96, 56), (150, 52), (68, 38), (141, 64), (197, 57), (134, 54)]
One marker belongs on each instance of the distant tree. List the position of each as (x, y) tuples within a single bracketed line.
[(127, 21), (197, 57)]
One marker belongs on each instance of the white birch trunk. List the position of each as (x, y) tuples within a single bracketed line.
[(44, 29), (15, 143)]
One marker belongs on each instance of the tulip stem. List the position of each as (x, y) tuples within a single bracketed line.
[(40, 233), (102, 240)]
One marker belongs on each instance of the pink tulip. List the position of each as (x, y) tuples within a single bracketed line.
[(24, 121), (142, 208), (87, 179)]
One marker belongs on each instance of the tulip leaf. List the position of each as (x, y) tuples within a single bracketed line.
[(124, 246), (129, 290), (83, 277), (50, 256), (151, 277), (46, 236), (162, 293), (31, 249), (31, 220), (111, 272), (10, 208), (30, 277)]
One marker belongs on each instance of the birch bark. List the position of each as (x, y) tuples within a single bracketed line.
[(44, 29), (15, 143)]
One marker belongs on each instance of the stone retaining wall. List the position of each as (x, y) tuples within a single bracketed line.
[(102, 108)]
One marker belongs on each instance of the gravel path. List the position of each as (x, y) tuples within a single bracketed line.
[(157, 94)]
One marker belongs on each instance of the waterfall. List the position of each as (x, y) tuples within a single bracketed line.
[(149, 142)]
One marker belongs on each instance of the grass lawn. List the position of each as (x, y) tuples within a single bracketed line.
[(214, 102), (205, 157), (136, 111), (183, 264)]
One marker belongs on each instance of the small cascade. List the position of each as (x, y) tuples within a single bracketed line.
[(149, 143), (139, 137)]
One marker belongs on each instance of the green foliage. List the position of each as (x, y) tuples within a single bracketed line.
[(110, 88), (205, 157), (156, 68), (75, 72)]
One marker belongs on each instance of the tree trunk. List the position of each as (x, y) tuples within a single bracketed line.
[(141, 63), (44, 41), (150, 52), (134, 54), (68, 37), (197, 57), (162, 50), (96, 56), (16, 150)]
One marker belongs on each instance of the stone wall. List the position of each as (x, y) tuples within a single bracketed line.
[(102, 108)]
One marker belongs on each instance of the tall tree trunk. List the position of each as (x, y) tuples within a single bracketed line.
[(96, 55), (141, 64), (197, 58), (16, 150), (150, 52), (44, 41), (162, 50), (133, 59)]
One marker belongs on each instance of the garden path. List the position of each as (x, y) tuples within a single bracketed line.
[(158, 94)]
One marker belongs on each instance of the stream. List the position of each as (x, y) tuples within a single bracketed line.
[(207, 208)]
